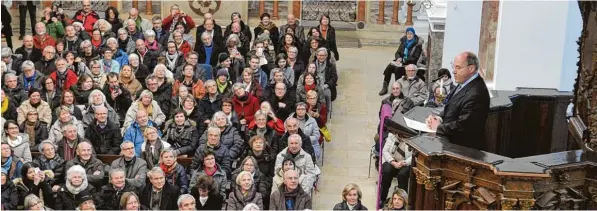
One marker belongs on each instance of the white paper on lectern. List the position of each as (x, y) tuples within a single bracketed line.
[(420, 126)]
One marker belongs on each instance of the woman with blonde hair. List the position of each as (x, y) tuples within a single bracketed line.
[(128, 80), (399, 201), (151, 107), (153, 145), (351, 198), (129, 201), (32, 202), (244, 193)]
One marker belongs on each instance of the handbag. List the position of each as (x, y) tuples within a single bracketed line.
[(327, 136)]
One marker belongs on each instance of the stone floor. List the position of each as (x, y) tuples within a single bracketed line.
[(354, 122)]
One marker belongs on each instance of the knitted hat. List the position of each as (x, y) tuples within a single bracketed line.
[(222, 57), (33, 90), (222, 71), (411, 29)]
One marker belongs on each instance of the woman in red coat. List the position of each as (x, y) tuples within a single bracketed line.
[(245, 105)]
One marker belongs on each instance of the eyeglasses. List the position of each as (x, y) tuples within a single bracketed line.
[(32, 114)]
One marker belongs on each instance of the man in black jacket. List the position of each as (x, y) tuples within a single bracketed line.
[(209, 25), (104, 134), (465, 113), (160, 194), (208, 50), (109, 196), (27, 51), (117, 96), (47, 64), (292, 127), (13, 62), (147, 56)]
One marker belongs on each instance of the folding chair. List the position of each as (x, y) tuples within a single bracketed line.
[(373, 153)]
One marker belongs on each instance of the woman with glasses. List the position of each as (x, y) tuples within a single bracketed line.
[(19, 142), (129, 201), (245, 188), (50, 161), (35, 129), (181, 132), (37, 104)]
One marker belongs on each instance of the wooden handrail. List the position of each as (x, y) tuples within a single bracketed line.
[(148, 7), (380, 15), (275, 12), (395, 12), (261, 7)]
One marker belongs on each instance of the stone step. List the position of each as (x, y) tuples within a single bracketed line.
[(348, 42)]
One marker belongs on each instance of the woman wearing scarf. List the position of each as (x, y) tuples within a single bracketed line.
[(97, 75), (83, 88), (36, 182), (35, 103), (150, 106), (125, 42), (35, 129), (128, 80), (351, 198), (9, 109), (67, 99), (49, 93), (174, 172), (18, 142), (191, 81), (181, 133), (269, 119), (408, 52), (50, 161), (112, 16), (97, 99), (259, 148), (328, 33), (252, 85), (105, 29), (151, 148), (174, 58), (75, 183), (96, 39), (309, 82), (224, 86), (150, 42), (245, 190), (267, 25)]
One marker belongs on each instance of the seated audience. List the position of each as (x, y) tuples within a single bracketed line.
[(220, 152), (10, 163), (302, 161), (64, 118), (134, 168), (399, 201), (396, 164), (159, 194), (413, 88), (10, 197), (244, 192), (290, 195), (129, 201), (33, 182), (211, 168), (51, 162), (135, 132)]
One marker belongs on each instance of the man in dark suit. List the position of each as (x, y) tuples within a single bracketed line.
[(208, 50), (212, 28), (465, 113)]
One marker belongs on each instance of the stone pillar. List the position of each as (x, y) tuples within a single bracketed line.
[(435, 49)]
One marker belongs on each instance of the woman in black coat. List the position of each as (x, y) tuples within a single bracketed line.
[(264, 155), (409, 51), (36, 182), (50, 93), (181, 133), (49, 160), (10, 197), (75, 185), (351, 198), (112, 16), (207, 188), (271, 27), (6, 26), (328, 33), (38, 128)]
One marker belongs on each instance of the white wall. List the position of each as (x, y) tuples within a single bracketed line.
[(570, 54), (530, 44), (463, 28)]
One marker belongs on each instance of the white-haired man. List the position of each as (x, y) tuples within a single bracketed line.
[(302, 160)]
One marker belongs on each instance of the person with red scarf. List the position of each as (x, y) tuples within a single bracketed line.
[(245, 104), (174, 173)]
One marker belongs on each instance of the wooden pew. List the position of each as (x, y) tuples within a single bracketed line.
[(107, 159)]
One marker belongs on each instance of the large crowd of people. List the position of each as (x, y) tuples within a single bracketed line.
[(104, 113)]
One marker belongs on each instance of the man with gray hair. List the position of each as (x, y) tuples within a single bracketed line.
[(28, 51), (160, 195), (186, 202), (104, 134), (414, 89), (30, 77), (64, 78), (222, 154), (12, 61), (302, 161), (94, 168), (292, 128), (46, 64), (147, 56), (87, 53), (135, 168), (299, 31), (208, 50), (13, 90), (140, 23), (110, 194)]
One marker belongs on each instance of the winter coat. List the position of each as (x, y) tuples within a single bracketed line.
[(311, 129), (41, 133), (246, 109), (202, 71), (135, 173), (114, 66), (44, 112), (88, 19), (106, 140), (35, 55), (238, 200), (217, 48), (43, 41), (301, 202), (71, 79), (153, 159), (198, 90), (168, 200), (122, 103), (162, 97), (13, 167), (415, 90), (72, 45), (67, 200), (229, 138), (280, 112), (56, 165), (303, 162), (299, 32), (89, 117), (46, 67), (11, 112), (108, 198), (185, 141), (300, 88), (271, 135), (134, 87), (54, 29), (219, 178), (121, 57), (214, 200), (185, 48), (134, 134), (344, 206), (10, 197), (260, 183), (53, 102), (207, 109), (177, 63), (56, 133), (179, 178), (265, 162), (90, 167), (76, 113), (42, 190), (222, 155), (279, 180), (413, 53), (331, 40), (81, 96), (18, 94), (20, 147), (37, 84), (283, 143), (156, 114)]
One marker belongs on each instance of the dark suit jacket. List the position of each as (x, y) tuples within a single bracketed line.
[(217, 49), (170, 195), (465, 114)]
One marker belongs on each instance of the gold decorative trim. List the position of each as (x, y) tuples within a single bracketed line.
[(526, 204), (423, 179), (508, 204)]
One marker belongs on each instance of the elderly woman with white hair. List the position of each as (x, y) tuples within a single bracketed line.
[(244, 193), (97, 99), (120, 55), (140, 70), (125, 42), (229, 135), (75, 182), (105, 29), (150, 106), (151, 42)]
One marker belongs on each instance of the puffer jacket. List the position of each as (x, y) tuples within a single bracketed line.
[(56, 129), (122, 57), (10, 197), (135, 173), (56, 165), (238, 200), (344, 206), (157, 116), (219, 178), (301, 202), (178, 177), (43, 111), (66, 199), (41, 133), (90, 167), (20, 147), (162, 97), (185, 141), (311, 129), (303, 162), (265, 162), (415, 90), (104, 141), (89, 117), (134, 134), (229, 138), (109, 198), (271, 135), (222, 155)]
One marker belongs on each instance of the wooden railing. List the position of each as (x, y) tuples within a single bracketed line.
[(275, 8), (395, 12)]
